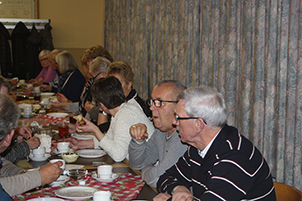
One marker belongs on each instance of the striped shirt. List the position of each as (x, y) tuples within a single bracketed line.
[(233, 169)]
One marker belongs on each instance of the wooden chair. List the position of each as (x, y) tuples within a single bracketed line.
[(287, 193)]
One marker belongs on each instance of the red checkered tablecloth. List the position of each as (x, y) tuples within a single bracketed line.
[(125, 187), (44, 120)]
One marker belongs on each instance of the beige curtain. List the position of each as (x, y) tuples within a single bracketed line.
[(251, 51)]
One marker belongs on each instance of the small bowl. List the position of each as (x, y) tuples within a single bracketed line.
[(70, 157), (77, 173)]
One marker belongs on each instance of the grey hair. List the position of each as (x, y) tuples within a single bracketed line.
[(9, 115), (66, 62), (55, 52), (207, 103), (99, 64), (44, 52), (5, 83), (178, 87)]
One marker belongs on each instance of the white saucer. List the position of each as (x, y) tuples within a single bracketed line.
[(113, 177), (46, 156), (61, 180), (57, 152), (26, 116)]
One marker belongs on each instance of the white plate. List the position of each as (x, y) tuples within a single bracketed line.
[(57, 152), (46, 156), (91, 153), (76, 192), (61, 180), (46, 199), (44, 94), (113, 177), (83, 137), (26, 116), (58, 114)]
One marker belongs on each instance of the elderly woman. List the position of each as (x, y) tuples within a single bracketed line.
[(47, 74), (108, 92), (97, 68), (71, 81)]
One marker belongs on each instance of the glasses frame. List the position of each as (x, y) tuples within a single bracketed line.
[(177, 118), (45, 59), (151, 101)]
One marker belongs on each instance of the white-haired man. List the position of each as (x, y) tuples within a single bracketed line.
[(220, 164)]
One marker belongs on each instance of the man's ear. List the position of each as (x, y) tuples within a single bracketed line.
[(199, 125), (6, 141)]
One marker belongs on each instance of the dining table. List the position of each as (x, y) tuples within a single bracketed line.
[(128, 184)]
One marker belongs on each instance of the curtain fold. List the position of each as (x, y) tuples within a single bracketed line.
[(249, 50)]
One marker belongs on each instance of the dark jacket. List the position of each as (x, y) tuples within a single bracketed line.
[(5, 54)]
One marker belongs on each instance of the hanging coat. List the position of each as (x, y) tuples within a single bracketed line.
[(46, 38), (5, 53)]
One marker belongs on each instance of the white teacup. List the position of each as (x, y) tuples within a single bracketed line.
[(63, 146), (104, 171), (45, 101), (27, 110), (37, 90), (101, 196), (56, 160), (39, 152), (22, 81)]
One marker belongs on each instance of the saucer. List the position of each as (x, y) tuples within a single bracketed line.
[(46, 156), (113, 177), (27, 116), (57, 152), (61, 180)]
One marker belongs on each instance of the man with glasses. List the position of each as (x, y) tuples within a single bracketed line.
[(164, 147), (220, 164)]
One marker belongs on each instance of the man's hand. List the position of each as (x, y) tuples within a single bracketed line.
[(60, 106), (50, 172), (33, 142), (80, 144), (25, 131), (162, 197), (62, 98), (45, 87), (139, 132), (182, 193)]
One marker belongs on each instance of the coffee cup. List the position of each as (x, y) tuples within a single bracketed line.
[(22, 81), (45, 101), (56, 160), (104, 171), (63, 146), (39, 152), (27, 110), (37, 90), (102, 196)]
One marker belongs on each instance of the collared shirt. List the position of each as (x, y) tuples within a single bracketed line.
[(202, 153)]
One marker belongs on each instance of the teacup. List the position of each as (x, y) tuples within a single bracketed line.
[(39, 152), (63, 146), (102, 196), (37, 90), (104, 171), (27, 110), (56, 160)]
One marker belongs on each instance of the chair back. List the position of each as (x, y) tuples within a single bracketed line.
[(287, 193)]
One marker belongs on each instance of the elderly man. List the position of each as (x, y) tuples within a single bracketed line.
[(164, 146), (220, 164), (11, 179)]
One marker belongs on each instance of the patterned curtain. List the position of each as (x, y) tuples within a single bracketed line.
[(250, 50)]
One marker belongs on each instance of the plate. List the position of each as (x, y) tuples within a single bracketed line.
[(46, 199), (31, 156), (76, 192), (113, 177), (83, 137), (27, 116), (58, 114), (57, 152), (61, 180), (44, 94), (91, 153)]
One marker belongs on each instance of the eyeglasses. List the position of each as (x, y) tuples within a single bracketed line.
[(45, 59), (186, 118), (158, 102)]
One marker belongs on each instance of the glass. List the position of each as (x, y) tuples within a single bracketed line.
[(185, 118), (63, 130), (158, 102)]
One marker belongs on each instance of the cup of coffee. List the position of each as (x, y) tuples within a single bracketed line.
[(63, 146), (102, 196), (39, 152), (56, 160), (105, 171), (27, 110)]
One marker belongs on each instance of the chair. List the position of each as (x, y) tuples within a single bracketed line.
[(287, 193)]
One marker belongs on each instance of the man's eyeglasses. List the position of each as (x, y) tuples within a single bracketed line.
[(158, 102), (185, 118)]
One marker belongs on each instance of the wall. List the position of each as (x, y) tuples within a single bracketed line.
[(76, 24)]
